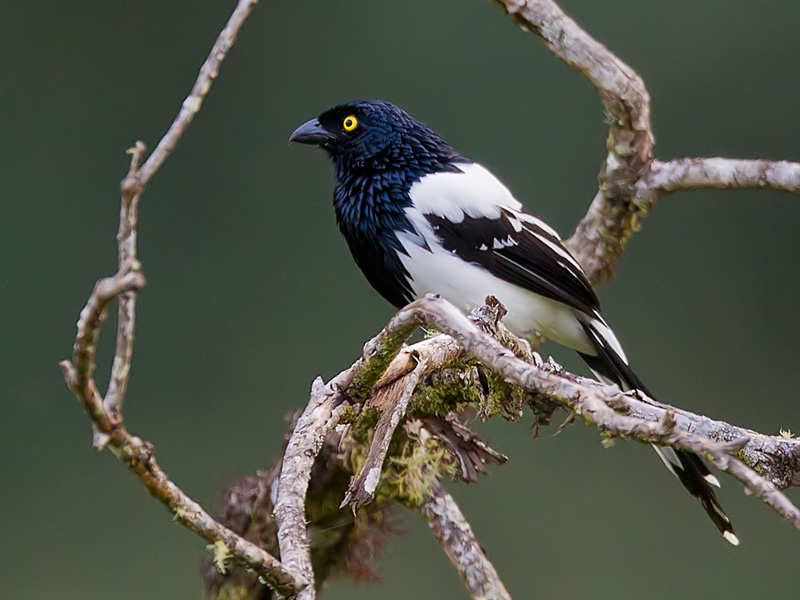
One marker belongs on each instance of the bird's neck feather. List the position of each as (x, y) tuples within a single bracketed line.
[(373, 191), (368, 204)]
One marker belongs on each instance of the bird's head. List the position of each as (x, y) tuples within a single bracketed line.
[(373, 134)]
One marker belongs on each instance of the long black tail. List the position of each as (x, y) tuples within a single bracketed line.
[(610, 365)]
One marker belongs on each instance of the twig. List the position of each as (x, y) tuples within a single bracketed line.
[(78, 373), (131, 190), (191, 105), (106, 416), (454, 533)]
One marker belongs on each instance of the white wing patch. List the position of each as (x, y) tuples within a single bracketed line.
[(474, 192)]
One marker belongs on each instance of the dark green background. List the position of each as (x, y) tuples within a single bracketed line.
[(252, 293)]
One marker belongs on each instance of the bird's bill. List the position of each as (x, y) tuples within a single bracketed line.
[(312, 133)]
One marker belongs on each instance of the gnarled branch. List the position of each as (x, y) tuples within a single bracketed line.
[(317, 420), (601, 235), (624, 415), (631, 180)]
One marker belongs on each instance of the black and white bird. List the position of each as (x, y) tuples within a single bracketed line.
[(421, 218)]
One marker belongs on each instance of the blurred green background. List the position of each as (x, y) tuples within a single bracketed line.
[(252, 292)]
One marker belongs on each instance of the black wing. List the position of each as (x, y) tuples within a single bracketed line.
[(518, 248)]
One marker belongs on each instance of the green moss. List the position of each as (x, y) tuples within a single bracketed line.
[(348, 414), (364, 425), (503, 399), (380, 358), (428, 400), (443, 397), (412, 475), (412, 467)]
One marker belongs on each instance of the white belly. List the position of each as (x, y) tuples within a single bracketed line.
[(467, 285)]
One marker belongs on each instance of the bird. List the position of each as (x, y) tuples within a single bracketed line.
[(421, 218)]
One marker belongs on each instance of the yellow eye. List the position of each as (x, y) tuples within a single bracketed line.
[(350, 123)]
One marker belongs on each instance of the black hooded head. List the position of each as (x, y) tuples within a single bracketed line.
[(373, 136), (379, 151)]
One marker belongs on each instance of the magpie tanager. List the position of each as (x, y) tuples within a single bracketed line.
[(419, 218)]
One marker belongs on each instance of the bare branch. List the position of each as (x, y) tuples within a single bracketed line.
[(631, 181), (721, 173), (454, 533), (131, 190), (601, 235), (139, 457), (78, 373), (611, 411), (106, 416), (774, 457), (595, 408), (191, 105), (317, 420)]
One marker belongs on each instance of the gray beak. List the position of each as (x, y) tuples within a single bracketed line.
[(312, 133)]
